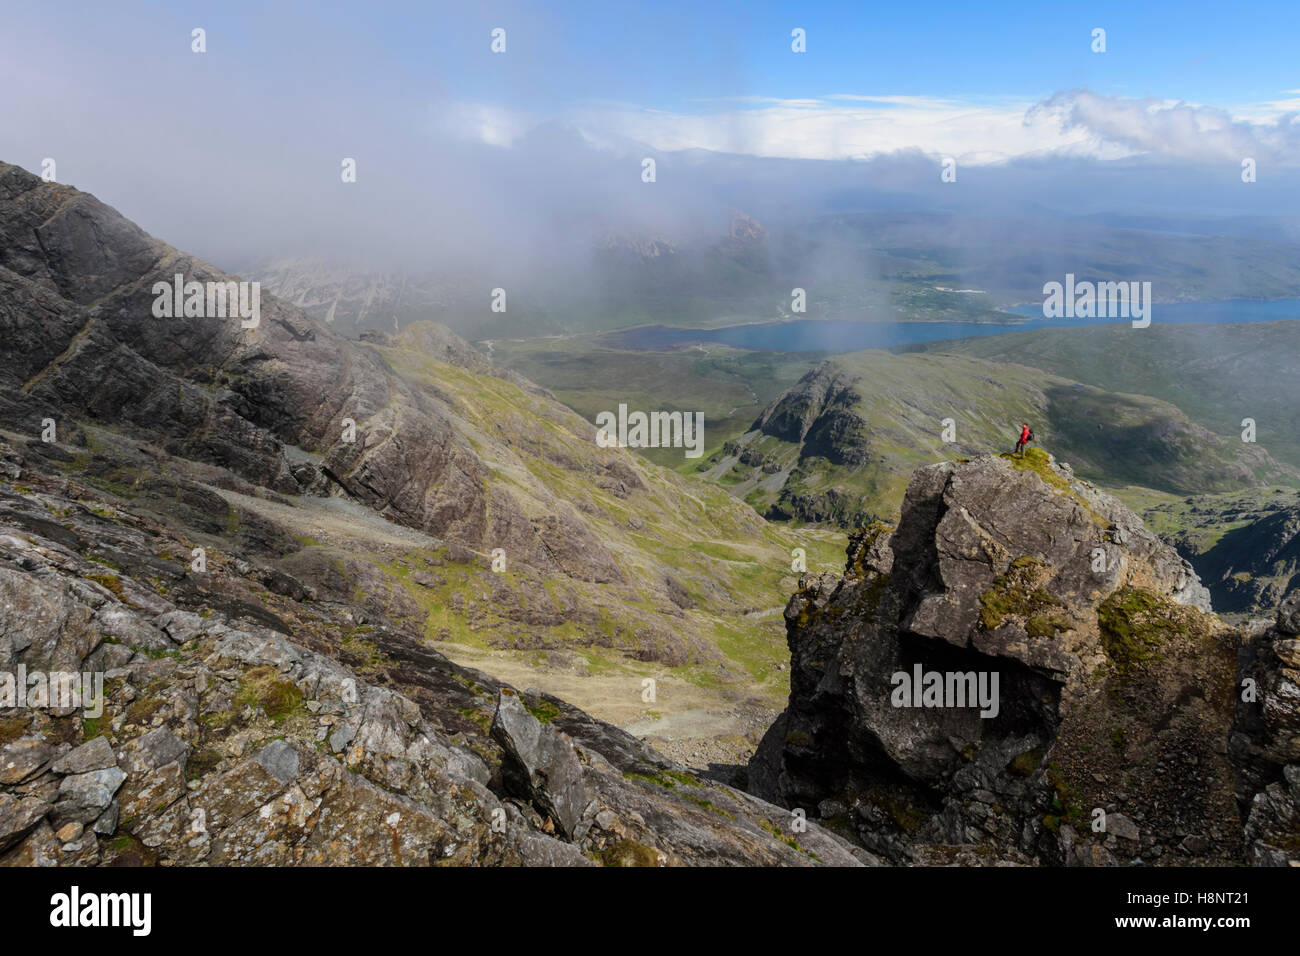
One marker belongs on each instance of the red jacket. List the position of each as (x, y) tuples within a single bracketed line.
[(1024, 434)]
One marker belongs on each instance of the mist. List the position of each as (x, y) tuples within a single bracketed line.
[(235, 155)]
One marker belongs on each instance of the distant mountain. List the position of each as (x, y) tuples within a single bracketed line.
[(746, 229), (633, 248), (858, 266), (624, 279), (350, 302)]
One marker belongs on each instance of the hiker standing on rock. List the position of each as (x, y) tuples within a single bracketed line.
[(1026, 436)]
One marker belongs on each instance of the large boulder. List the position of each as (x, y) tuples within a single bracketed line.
[(1265, 741), (541, 763), (1019, 659)]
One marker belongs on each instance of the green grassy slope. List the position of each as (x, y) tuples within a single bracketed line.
[(705, 576), (728, 385)]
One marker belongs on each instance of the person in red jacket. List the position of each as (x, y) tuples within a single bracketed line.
[(1026, 436)]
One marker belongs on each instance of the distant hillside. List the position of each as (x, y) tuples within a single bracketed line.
[(840, 445), (730, 386), (1217, 374), (1011, 256), (1245, 545)]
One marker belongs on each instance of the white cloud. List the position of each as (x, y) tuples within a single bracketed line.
[(481, 122), (1174, 130), (841, 127), (983, 131)]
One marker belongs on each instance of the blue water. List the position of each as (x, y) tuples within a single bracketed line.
[(838, 335)]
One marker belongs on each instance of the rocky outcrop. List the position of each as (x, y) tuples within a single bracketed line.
[(541, 767), (1265, 742), (1019, 672)]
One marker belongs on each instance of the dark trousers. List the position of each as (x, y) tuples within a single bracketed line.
[(1020, 447)]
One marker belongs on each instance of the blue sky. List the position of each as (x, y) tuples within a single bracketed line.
[(671, 54), (667, 55), (643, 71)]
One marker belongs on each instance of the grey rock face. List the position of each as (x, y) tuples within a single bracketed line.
[(1288, 618), (541, 764), (19, 759), (95, 754), (84, 796), (1122, 827), (1265, 741), (152, 750), (1059, 592), (18, 817)]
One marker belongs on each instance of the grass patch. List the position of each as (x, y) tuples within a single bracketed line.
[(266, 689), (628, 853), (1064, 804), (665, 778), (1023, 765), (543, 710), (111, 583), (201, 763), (1037, 461), (11, 728), (143, 708), (701, 802), (1134, 624)]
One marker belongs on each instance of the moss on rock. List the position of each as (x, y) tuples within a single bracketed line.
[(1135, 623), (1017, 594)]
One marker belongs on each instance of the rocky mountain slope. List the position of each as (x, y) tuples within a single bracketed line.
[(246, 719), (1108, 742), (350, 301), (239, 438), (840, 445), (1265, 741)]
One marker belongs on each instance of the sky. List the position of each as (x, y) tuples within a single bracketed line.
[(235, 152)]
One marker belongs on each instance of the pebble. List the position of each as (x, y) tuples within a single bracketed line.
[(69, 832)]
